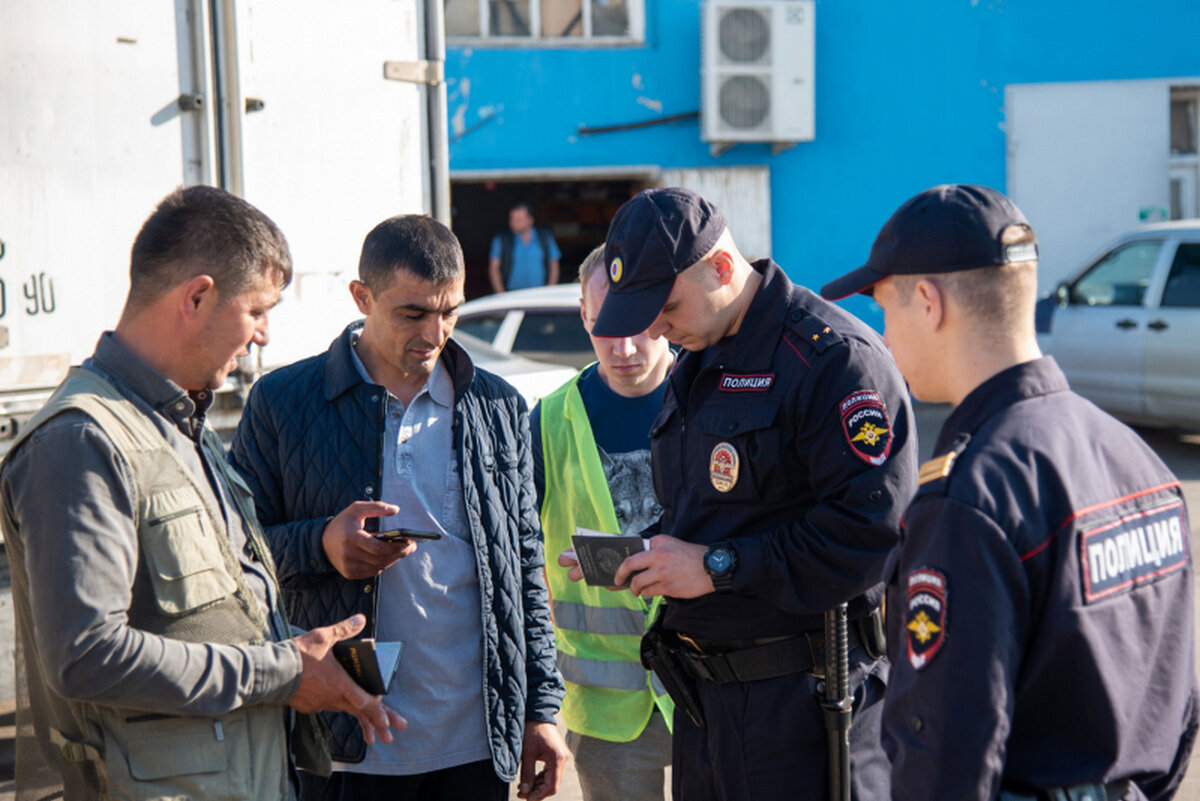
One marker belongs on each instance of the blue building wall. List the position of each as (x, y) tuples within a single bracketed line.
[(907, 95)]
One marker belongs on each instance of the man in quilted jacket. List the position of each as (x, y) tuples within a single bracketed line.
[(394, 428)]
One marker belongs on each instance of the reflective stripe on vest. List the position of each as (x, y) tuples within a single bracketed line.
[(574, 616), (611, 696), (602, 672)]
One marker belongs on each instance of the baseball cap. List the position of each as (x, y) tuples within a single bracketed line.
[(944, 229), (653, 237)]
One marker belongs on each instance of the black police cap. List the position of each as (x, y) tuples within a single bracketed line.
[(944, 229), (653, 237)]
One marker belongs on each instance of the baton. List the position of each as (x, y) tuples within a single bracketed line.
[(837, 702)]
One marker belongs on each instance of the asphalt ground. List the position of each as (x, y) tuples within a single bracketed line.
[(1180, 452)]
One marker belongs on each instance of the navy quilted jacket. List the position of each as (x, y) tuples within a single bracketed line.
[(310, 442)]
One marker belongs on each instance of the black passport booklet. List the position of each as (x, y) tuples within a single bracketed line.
[(599, 555), (370, 663)]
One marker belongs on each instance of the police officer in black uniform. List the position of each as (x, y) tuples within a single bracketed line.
[(783, 457), (1040, 613)]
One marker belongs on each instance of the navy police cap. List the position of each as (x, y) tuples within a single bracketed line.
[(653, 237), (944, 229)]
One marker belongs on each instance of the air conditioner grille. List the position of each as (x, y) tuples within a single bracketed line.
[(745, 101), (745, 35), (757, 72)]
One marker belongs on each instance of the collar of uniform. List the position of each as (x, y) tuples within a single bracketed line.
[(762, 323), (138, 379), (1020, 382)]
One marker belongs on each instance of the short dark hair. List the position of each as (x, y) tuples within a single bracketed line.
[(523, 206), (414, 242), (591, 263), (997, 298), (203, 230)]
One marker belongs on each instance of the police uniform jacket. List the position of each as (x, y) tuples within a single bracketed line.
[(792, 439), (1041, 613)]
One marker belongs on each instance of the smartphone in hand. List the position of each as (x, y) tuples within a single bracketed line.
[(397, 534)]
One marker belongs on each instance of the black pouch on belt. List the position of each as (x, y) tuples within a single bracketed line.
[(660, 655)]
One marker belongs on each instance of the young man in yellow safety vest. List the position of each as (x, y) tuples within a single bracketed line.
[(592, 469)]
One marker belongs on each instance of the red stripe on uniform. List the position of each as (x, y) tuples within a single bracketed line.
[(798, 353), (1080, 513)]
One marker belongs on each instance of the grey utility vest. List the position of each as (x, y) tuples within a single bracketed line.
[(189, 586)]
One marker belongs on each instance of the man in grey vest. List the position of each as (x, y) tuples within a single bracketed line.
[(152, 658)]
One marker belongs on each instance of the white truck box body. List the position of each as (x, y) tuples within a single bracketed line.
[(93, 134)]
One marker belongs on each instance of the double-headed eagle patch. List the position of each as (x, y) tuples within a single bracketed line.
[(925, 615), (868, 430)]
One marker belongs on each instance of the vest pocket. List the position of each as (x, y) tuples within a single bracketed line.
[(172, 750), (168, 757), (184, 560)]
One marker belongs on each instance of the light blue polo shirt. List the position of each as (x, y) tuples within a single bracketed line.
[(430, 599), (528, 267)]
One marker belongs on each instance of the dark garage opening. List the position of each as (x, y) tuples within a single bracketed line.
[(577, 212)]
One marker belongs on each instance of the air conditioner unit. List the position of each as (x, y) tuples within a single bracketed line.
[(758, 68)]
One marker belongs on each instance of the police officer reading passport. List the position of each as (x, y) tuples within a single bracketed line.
[(1040, 613), (783, 457)]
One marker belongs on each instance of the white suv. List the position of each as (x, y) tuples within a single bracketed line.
[(1126, 328), (542, 324), (534, 380)]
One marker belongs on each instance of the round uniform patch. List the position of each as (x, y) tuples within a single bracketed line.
[(723, 467), (865, 422), (925, 620), (616, 269)]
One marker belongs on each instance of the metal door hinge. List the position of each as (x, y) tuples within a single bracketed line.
[(190, 102), (430, 73)]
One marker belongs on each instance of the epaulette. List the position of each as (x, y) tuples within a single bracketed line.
[(938, 468), (813, 330), (935, 468)]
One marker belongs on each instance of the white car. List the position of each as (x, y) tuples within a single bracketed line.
[(542, 324), (1126, 328), (534, 380)]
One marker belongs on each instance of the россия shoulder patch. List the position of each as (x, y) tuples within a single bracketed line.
[(865, 421), (924, 615)]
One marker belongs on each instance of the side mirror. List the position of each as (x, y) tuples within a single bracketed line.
[(1062, 293)]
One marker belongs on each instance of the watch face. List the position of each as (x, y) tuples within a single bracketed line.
[(719, 560)]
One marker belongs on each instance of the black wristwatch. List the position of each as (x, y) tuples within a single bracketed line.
[(720, 561)]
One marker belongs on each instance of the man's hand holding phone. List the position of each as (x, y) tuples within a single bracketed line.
[(355, 552), (403, 534)]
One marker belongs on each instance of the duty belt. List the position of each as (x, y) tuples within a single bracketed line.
[(728, 661)]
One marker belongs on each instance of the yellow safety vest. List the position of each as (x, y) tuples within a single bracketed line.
[(610, 696)]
